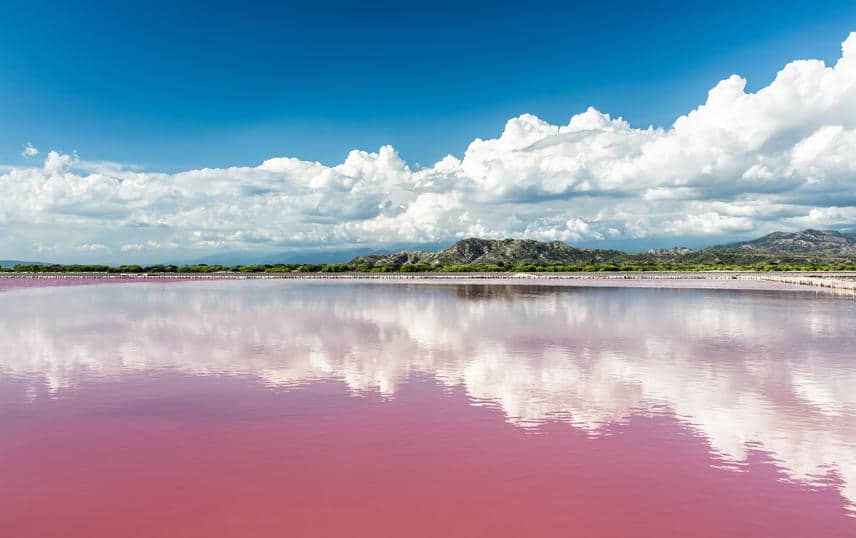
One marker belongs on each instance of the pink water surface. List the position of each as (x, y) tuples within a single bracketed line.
[(9, 283), (319, 409)]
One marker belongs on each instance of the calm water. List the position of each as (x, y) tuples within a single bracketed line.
[(261, 409)]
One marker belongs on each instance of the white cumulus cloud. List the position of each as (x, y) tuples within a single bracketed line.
[(29, 150)]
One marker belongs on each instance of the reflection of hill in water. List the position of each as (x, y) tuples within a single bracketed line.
[(487, 292), (745, 369)]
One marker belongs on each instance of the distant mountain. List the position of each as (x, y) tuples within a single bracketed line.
[(8, 264), (255, 258), (806, 241), (782, 247)]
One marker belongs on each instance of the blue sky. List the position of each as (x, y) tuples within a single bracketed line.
[(160, 115), (173, 85)]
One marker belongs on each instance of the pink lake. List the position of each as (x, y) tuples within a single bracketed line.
[(320, 409)]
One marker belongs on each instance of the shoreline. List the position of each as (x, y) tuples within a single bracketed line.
[(835, 282)]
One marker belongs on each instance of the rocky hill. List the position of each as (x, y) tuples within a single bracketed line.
[(806, 241), (781, 247), (499, 252), (806, 245)]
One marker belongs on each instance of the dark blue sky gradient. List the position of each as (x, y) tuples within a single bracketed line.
[(174, 85)]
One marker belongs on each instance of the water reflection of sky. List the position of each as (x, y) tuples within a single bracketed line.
[(748, 370)]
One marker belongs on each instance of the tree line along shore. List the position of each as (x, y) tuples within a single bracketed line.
[(428, 268)]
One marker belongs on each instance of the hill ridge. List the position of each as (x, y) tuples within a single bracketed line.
[(778, 247)]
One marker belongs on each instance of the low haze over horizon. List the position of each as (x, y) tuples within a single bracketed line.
[(174, 132)]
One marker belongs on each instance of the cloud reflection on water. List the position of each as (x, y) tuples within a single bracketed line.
[(747, 370)]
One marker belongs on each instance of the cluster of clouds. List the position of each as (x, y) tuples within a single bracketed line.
[(740, 164)]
